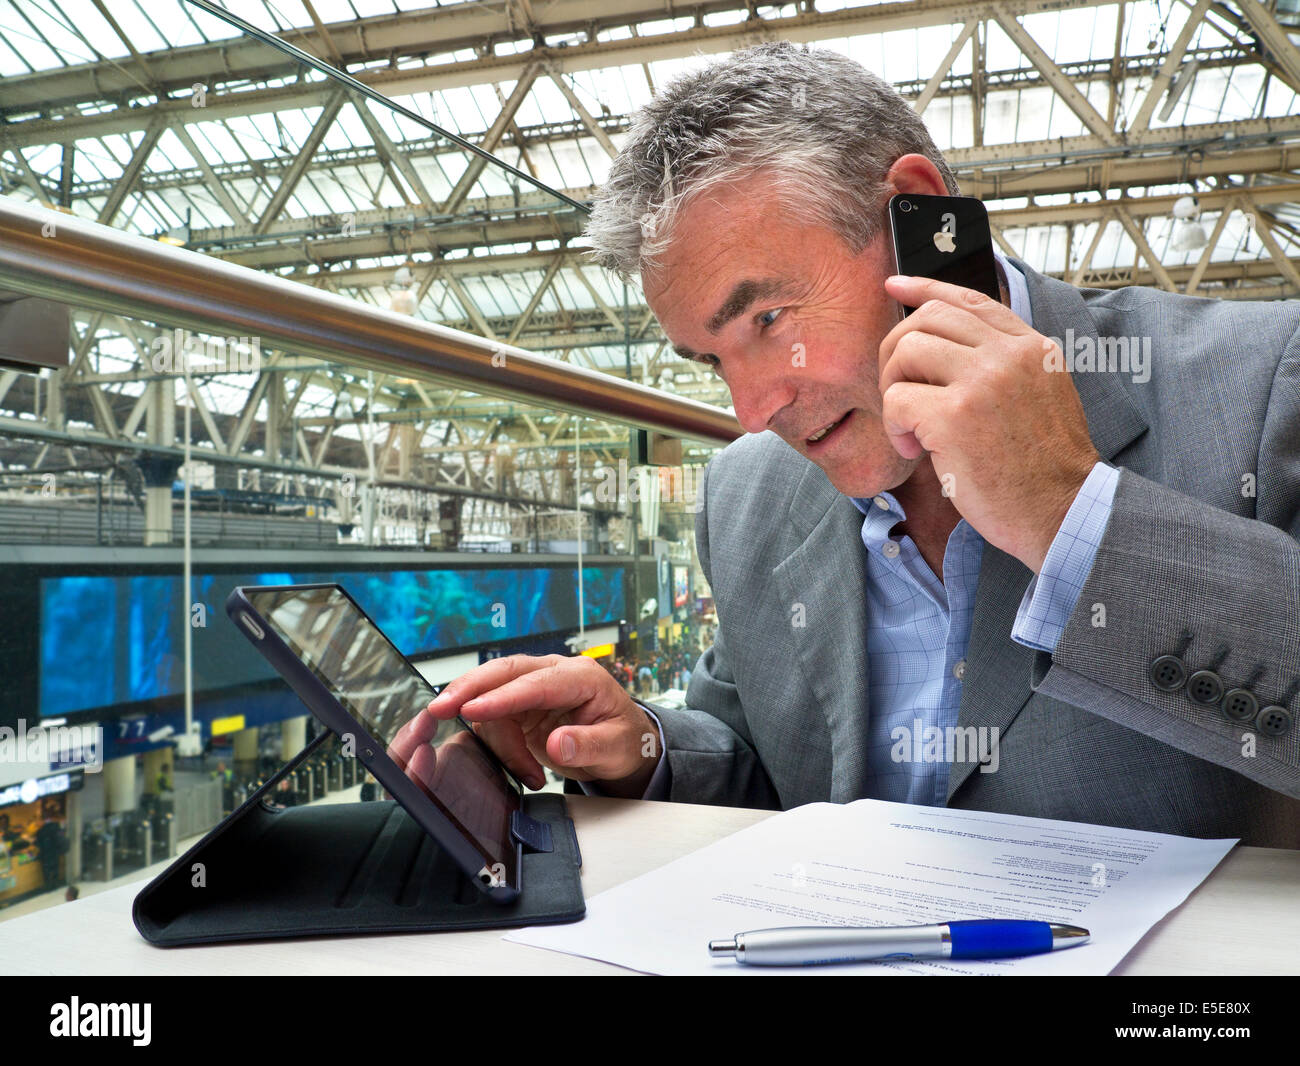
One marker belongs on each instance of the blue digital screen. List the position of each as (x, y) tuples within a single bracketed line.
[(117, 640)]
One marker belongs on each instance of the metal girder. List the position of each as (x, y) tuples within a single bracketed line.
[(602, 138), (1144, 248), (192, 389), (1065, 89), (945, 66), (1231, 279), (306, 95), (493, 137), (390, 153), (1242, 132), (1265, 235), (443, 31), (131, 174), (326, 38), (1060, 214), (224, 196), (1168, 66), (605, 309), (1274, 38), (1005, 171), (557, 259), (471, 308), (246, 417), (1203, 263), (1077, 277), (1109, 173), (309, 147), (30, 179), (383, 241)]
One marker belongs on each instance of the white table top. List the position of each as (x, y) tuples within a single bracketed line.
[(1243, 919)]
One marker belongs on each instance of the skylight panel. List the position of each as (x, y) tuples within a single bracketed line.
[(331, 11), (311, 198), (35, 51), (212, 28), (1000, 51), (542, 103), (62, 34), (460, 111), (11, 63)]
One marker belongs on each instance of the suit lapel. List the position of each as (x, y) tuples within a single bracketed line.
[(827, 574), (996, 686)]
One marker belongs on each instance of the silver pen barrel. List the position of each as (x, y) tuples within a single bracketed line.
[(802, 946)]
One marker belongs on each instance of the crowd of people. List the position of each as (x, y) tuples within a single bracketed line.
[(655, 672)]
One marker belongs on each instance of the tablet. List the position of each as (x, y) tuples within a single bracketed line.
[(354, 679)]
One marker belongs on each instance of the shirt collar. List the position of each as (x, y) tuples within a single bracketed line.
[(879, 519), (1017, 289)]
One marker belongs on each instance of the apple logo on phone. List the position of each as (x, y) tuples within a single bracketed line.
[(945, 240)]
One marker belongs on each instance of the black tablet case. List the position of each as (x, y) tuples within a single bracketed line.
[(331, 869)]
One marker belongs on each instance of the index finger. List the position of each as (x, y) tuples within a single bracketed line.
[(913, 291), (484, 678)]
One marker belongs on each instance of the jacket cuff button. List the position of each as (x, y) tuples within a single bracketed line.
[(1167, 673), (1273, 721)]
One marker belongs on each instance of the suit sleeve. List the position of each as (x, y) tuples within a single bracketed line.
[(709, 750), (1217, 592)]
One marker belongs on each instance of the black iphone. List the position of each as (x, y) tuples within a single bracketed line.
[(944, 237)]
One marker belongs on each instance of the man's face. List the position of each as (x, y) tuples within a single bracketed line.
[(792, 322)]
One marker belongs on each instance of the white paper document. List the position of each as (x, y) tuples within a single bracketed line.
[(877, 863)]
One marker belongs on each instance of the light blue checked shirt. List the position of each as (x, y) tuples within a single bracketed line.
[(918, 627)]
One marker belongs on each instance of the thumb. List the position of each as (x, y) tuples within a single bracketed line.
[(603, 750)]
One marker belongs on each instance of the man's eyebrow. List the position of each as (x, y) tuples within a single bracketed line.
[(687, 353), (738, 300), (741, 297)]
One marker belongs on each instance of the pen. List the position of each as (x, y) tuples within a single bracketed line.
[(981, 938)]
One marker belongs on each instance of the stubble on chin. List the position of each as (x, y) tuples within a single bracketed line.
[(889, 472)]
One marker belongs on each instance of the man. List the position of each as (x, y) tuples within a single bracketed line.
[(946, 570), (52, 844)]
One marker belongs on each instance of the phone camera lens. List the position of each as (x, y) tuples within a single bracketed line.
[(905, 205)]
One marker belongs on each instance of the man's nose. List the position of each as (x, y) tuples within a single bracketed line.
[(758, 395)]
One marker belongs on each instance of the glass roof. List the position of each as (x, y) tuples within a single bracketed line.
[(218, 169)]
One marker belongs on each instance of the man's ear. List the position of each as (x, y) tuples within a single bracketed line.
[(915, 173)]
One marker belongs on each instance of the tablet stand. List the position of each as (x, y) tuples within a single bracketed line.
[(344, 868)]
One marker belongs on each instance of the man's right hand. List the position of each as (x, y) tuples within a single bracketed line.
[(557, 711)]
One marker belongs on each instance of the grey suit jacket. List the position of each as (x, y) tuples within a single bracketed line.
[(777, 714)]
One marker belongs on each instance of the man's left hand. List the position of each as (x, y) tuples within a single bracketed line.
[(964, 378)]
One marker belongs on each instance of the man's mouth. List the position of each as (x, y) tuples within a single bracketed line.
[(827, 430)]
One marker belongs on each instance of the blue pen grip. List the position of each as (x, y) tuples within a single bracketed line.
[(989, 938)]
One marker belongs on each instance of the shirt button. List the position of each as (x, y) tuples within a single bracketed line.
[(882, 503), (959, 669), (890, 548)]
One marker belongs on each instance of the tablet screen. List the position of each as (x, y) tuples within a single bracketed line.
[(376, 685)]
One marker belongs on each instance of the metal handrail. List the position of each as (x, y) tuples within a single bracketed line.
[(61, 257)]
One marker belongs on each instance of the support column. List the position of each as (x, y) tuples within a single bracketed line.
[(73, 829), (159, 471), (154, 761), (293, 737), (119, 785), (247, 755)]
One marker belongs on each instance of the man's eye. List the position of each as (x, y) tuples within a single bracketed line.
[(768, 317)]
